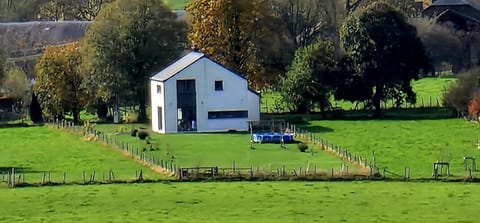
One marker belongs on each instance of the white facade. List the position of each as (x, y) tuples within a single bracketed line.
[(222, 100)]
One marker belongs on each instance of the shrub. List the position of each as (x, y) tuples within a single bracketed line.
[(142, 135), (302, 147), (134, 132), (102, 111), (35, 110)]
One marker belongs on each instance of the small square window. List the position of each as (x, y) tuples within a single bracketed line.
[(159, 89), (218, 85)]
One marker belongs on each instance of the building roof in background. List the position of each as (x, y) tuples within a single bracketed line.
[(29, 35), (474, 3)]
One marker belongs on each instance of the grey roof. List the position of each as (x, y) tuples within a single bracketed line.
[(474, 3), (32, 34), (177, 66)]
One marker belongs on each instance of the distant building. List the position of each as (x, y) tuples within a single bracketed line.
[(195, 93)]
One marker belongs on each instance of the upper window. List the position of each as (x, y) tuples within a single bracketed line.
[(218, 85), (159, 89)]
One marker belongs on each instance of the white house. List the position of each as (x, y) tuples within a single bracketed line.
[(196, 93)]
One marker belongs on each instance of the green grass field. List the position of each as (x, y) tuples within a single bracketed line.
[(405, 143), (244, 202), (428, 90), (222, 150), (35, 150), (177, 4)]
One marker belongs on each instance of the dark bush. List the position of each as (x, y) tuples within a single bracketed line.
[(35, 110), (302, 147), (142, 135), (102, 111), (134, 132)]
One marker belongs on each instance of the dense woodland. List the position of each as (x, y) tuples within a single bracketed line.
[(309, 51)]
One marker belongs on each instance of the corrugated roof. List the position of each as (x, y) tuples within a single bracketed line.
[(473, 3), (177, 66)]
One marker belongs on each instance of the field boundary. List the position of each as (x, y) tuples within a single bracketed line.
[(134, 153)]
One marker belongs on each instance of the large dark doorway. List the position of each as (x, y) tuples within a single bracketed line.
[(186, 106)]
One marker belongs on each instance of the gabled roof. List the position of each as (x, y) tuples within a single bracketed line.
[(474, 3), (178, 66), (184, 62), (458, 14)]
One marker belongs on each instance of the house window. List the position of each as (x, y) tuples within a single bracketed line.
[(159, 89), (218, 85), (227, 114)]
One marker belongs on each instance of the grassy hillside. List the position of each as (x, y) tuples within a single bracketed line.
[(35, 150), (244, 202), (399, 144)]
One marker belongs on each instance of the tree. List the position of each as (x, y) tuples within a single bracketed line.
[(240, 34), (36, 114), (441, 42), (16, 84), (474, 104), (124, 49), (60, 85), (306, 81), (405, 6), (385, 50), (17, 87), (19, 10), (459, 94), (306, 20), (56, 10)]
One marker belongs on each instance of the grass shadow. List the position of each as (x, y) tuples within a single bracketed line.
[(4, 169), (18, 125), (388, 114)]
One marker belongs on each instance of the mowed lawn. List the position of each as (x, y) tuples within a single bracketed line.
[(244, 202), (398, 144), (177, 4), (35, 150), (223, 149)]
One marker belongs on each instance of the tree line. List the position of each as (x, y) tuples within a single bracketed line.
[(308, 50)]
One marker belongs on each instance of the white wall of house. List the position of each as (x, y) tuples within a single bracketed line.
[(253, 106), (235, 96), (157, 94)]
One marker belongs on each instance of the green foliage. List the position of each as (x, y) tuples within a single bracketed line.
[(385, 51), (35, 111), (133, 132), (306, 20), (143, 135), (56, 10), (19, 10), (225, 31), (124, 49), (305, 82), (60, 85), (302, 147), (16, 84)]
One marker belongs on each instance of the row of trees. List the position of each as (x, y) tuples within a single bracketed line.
[(381, 55), (116, 57), (306, 47)]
